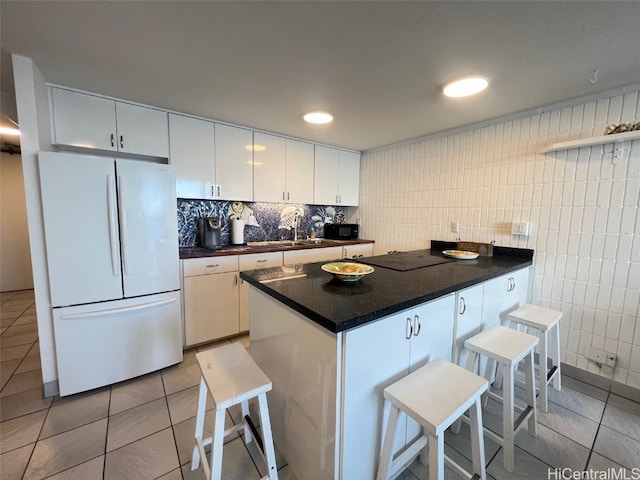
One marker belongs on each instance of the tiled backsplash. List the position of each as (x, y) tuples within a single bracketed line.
[(265, 221), (582, 208)]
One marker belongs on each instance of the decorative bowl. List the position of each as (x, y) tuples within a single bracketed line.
[(347, 271), (461, 254)]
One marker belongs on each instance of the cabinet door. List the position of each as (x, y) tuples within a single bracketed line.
[(234, 163), (503, 295), (311, 255), (375, 356), (468, 320), (299, 172), (358, 251), (191, 153), (82, 120), (349, 178), (211, 307), (142, 130), (269, 168), (253, 261), (326, 171)]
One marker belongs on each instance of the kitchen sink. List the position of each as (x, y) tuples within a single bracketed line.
[(289, 243)]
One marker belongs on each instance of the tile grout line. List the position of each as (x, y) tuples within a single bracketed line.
[(595, 438)]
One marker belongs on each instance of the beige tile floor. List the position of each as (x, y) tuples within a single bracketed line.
[(143, 428)]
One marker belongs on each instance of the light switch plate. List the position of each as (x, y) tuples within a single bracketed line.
[(520, 228)]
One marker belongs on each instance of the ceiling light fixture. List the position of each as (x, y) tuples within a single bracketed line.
[(319, 118), (465, 87)]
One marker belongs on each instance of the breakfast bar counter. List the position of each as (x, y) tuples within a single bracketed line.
[(330, 348)]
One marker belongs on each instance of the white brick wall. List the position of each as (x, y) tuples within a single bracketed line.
[(583, 210)]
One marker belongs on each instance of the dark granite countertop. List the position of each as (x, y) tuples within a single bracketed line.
[(339, 306), (262, 247)]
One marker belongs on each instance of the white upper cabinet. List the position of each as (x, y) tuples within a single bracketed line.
[(269, 168), (89, 121), (283, 169), (191, 152), (337, 177), (234, 163), (300, 161)]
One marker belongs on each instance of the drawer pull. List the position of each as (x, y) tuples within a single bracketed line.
[(262, 261), (213, 266)]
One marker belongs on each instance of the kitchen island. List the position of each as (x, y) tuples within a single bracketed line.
[(330, 348)]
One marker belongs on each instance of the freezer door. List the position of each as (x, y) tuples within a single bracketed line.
[(148, 227), (101, 344), (79, 208)]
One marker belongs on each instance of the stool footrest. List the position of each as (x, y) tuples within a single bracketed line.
[(461, 471), (521, 418), (254, 430), (551, 373), (402, 461)]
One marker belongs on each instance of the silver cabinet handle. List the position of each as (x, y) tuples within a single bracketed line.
[(463, 306), (121, 141), (213, 191), (215, 265), (218, 187), (112, 140), (261, 261), (337, 201), (235, 280), (409, 330), (416, 325), (282, 195), (287, 195)]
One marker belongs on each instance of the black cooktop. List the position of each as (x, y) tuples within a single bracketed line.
[(405, 261)]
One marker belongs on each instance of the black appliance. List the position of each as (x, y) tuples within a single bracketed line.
[(209, 230), (341, 231), (405, 261)]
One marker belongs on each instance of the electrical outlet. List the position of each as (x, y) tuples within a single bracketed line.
[(520, 228), (455, 227), (601, 357)]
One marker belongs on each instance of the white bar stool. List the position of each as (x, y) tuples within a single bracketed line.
[(507, 347), (435, 396), (546, 322), (231, 376)]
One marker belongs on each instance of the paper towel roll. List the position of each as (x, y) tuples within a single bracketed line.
[(237, 230)]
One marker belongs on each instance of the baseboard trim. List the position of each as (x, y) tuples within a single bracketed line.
[(601, 382)]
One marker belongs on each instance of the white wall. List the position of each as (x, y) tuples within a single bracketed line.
[(583, 211), (15, 259)]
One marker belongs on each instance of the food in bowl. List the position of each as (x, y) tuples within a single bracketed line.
[(347, 271)]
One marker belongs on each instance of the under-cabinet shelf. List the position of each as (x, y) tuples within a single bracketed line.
[(591, 141)]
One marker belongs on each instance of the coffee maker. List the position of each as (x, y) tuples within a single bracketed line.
[(209, 230)]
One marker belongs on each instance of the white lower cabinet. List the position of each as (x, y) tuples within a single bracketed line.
[(502, 295), (253, 261), (467, 320), (291, 257), (211, 298), (377, 355)]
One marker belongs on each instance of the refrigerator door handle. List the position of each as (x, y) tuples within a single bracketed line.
[(115, 311), (113, 240), (122, 207)]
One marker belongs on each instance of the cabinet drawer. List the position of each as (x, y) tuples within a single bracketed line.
[(255, 261), (209, 265)]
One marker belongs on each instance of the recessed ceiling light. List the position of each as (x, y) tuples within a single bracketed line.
[(465, 87), (319, 118), (9, 131)]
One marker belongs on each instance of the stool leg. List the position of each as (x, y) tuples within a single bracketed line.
[(531, 394), (217, 443), (507, 417), (200, 414), (555, 354), (477, 440), (265, 425), (542, 372), (436, 457), (244, 405), (387, 443), (471, 366)]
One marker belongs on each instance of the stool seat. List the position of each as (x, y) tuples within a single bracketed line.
[(546, 322), (435, 396), (231, 377), (501, 344)]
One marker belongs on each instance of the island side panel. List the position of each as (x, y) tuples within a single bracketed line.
[(301, 359)]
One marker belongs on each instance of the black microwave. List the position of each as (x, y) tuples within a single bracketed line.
[(341, 231)]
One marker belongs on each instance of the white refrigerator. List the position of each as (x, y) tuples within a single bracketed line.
[(112, 254)]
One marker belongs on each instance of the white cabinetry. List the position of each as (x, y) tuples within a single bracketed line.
[(211, 299), (89, 121), (357, 251), (253, 261), (377, 355), (502, 295), (467, 320), (283, 169), (191, 152), (291, 257), (336, 177), (234, 163)]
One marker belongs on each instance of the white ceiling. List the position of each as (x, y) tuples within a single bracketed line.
[(377, 66)]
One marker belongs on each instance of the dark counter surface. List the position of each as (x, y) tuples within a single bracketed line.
[(263, 247), (339, 306)]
